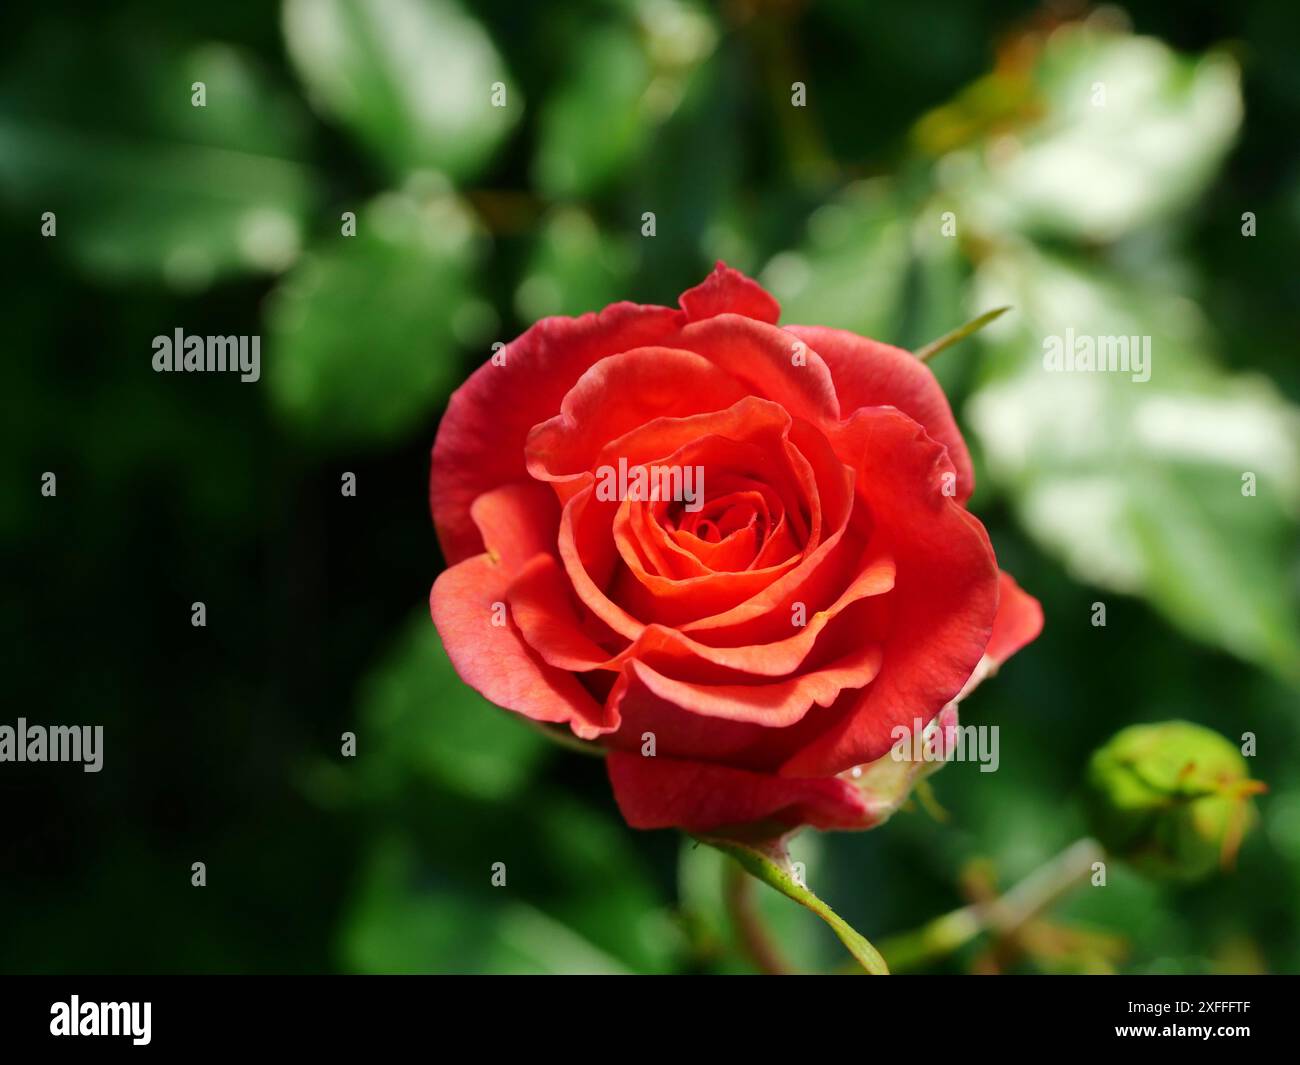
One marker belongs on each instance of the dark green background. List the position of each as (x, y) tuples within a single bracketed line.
[(222, 743)]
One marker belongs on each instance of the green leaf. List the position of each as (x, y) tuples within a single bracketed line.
[(411, 79), (364, 331), (770, 863), (405, 919), (605, 889), (142, 183), (594, 124), (851, 271), (1123, 131), (424, 737), (1139, 485), (416, 717), (708, 216), (571, 876), (621, 83), (574, 268)]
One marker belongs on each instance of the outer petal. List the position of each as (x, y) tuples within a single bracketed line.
[(480, 442), (868, 373), (669, 793), (944, 598), (517, 522), (728, 291), (496, 662), (1019, 620)]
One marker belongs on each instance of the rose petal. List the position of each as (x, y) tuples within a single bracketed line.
[(1018, 622), (543, 605), (496, 662), (480, 443), (619, 394), (516, 522), (769, 361), (868, 373), (944, 598), (740, 440), (729, 291), (773, 704), (697, 797)]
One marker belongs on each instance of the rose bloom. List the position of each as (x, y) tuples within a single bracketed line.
[(744, 639)]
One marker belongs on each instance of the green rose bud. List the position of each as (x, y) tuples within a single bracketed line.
[(1172, 798)]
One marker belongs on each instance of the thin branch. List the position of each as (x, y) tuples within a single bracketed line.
[(959, 334), (1002, 916), (738, 890)]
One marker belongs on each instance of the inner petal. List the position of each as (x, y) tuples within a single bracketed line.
[(729, 530)]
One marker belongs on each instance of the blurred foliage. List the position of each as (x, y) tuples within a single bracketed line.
[(359, 327), (409, 79), (145, 184), (1122, 217)]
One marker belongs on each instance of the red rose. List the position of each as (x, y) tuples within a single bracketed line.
[(745, 540)]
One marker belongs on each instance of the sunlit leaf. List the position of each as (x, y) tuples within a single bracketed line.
[(413, 80), (1120, 131), (596, 122), (1143, 486), (621, 81)]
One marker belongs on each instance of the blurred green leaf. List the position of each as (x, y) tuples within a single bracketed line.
[(941, 279), (620, 83), (594, 124), (851, 271), (142, 183), (413, 80), (416, 716), (575, 267), (418, 721), (405, 920), (364, 331), (1139, 485), (698, 219), (1125, 131), (609, 892)]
